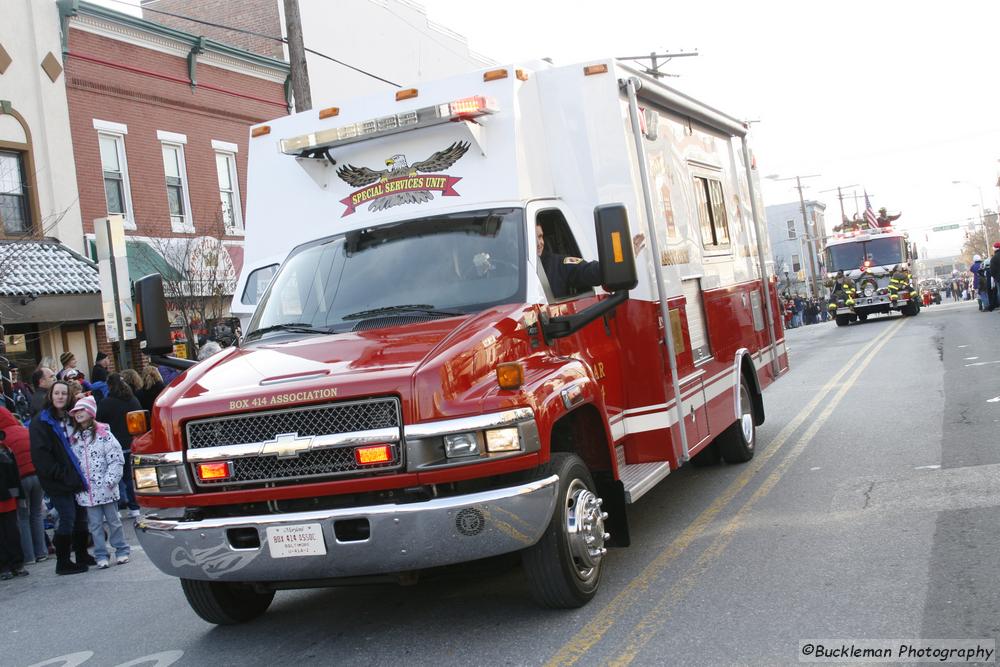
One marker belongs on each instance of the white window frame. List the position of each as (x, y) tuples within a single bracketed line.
[(221, 149), (177, 141), (791, 232), (117, 132), (796, 260)]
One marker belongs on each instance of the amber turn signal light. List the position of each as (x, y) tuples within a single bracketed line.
[(137, 422), (260, 131), (213, 471), (510, 376), (494, 74), (329, 112), (366, 456), (406, 94), (595, 69)]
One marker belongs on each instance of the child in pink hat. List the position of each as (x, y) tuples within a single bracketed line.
[(102, 462)]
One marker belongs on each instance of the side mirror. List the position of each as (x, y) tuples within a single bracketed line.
[(151, 315), (614, 248)]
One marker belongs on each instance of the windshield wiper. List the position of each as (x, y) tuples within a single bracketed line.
[(423, 308), (294, 327)]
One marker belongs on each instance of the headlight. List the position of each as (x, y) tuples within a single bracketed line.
[(461, 444), (503, 440), (869, 290), (166, 477), (145, 477)]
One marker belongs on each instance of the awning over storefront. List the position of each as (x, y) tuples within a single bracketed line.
[(143, 260)]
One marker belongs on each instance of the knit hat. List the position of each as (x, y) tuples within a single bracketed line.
[(86, 404), (996, 245), (66, 357), (101, 356)]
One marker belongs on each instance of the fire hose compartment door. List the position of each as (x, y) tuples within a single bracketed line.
[(757, 310)]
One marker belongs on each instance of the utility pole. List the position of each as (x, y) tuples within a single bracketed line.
[(840, 198), (297, 57), (654, 61)]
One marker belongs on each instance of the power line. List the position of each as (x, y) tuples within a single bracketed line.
[(256, 34)]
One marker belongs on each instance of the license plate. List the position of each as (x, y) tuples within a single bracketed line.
[(290, 541)]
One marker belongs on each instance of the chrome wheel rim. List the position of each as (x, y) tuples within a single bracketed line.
[(746, 416), (585, 530)]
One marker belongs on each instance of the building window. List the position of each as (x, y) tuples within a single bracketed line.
[(13, 194), (796, 264), (711, 213), (229, 192), (791, 228), (115, 168), (178, 200)]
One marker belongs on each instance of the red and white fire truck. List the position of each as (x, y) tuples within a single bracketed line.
[(415, 390)]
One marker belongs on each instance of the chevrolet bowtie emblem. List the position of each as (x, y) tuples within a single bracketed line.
[(286, 446)]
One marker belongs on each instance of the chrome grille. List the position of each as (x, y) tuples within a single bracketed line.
[(326, 419), (313, 420)]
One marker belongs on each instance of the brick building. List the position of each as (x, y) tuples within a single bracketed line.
[(159, 120)]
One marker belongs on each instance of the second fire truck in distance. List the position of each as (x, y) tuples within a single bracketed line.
[(437, 372)]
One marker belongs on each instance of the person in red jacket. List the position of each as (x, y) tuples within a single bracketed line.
[(11, 556), (31, 507)]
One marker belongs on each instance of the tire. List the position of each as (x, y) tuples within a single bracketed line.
[(738, 442), (843, 320), (223, 603), (564, 572), (708, 456), (862, 317)]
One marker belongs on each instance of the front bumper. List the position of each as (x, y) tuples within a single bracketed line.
[(402, 537), (874, 302)]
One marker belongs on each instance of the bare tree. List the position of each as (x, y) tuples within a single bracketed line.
[(201, 282)]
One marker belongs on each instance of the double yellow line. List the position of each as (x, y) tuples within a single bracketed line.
[(594, 631)]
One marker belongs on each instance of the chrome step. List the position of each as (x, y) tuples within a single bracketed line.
[(639, 478)]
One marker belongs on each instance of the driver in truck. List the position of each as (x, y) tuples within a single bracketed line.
[(568, 274)]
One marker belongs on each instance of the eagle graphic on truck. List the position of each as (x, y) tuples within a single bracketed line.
[(399, 183)]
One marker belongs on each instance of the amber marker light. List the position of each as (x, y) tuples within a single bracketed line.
[(260, 131), (495, 74), (521, 75), (329, 112), (137, 422), (510, 376), (372, 454), (214, 471), (406, 94), (595, 69), (616, 246)]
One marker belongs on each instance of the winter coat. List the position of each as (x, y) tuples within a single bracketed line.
[(38, 401), (974, 270), (102, 460), (55, 464), (148, 396), (112, 411), (17, 440), (995, 266)]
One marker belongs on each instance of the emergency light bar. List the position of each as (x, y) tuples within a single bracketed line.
[(469, 108)]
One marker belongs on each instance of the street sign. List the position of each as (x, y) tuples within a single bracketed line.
[(944, 228), (116, 289)]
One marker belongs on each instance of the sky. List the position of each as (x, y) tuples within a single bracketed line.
[(894, 97)]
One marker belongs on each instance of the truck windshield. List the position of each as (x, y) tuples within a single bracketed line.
[(849, 256), (431, 267)]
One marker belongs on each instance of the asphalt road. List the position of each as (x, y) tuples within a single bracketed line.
[(869, 512)]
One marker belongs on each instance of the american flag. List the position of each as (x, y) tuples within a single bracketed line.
[(869, 213)]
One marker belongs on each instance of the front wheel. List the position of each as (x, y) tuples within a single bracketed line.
[(843, 320), (224, 603), (862, 317), (564, 567)]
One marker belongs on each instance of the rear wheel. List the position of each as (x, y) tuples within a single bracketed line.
[(738, 442), (564, 567), (225, 603), (843, 320)]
